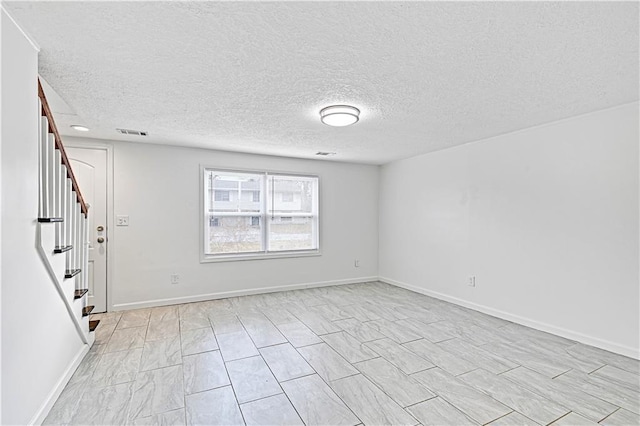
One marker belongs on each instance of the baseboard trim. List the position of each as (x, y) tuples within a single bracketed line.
[(235, 293), (53, 396), (538, 325)]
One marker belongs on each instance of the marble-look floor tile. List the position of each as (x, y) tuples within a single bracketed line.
[(593, 385), (204, 371), (361, 332), (298, 334), (535, 407), (159, 330), (586, 352), (285, 362), (331, 312), (164, 313), (513, 419), (573, 419), (226, 322), (137, 318), (475, 404), (621, 417), (236, 345), (326, 362), (399, 356), (574, 399), (400, 387), (107, 317), (170, 418), (87, 367), (261, 330), (193, 321), (161, 353), (434, 332), (369, 403), (448, 361), (349, 347), (394, 331), (535, 362), (251, 379), (316, 323), (317, 404), (557, 355), (104, 406), (619, 377), (198, 340), (157, 391), (477, 356), (213, 407), (67, 403), (116, 367), (362, 314), (104, 332), (273, 410), (125, 339), (438, 412), (278, 315)]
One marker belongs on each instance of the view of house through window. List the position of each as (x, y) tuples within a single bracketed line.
[(259, 212)]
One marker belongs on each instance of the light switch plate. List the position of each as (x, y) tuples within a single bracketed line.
[(122, 220)]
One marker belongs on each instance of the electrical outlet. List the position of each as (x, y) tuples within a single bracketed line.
[(472, 281), (175, 279), (356, 263), (122, 220)]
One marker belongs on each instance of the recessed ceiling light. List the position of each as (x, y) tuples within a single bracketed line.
[(339, 115), (80, 128)]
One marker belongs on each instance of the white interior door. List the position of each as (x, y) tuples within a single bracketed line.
[(90, 168)]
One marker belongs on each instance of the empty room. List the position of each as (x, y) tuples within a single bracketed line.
[(320, 213)]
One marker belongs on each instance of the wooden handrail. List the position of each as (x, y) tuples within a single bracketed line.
[(46, 111)]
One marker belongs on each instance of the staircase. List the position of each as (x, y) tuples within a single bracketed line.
[(62, 224)]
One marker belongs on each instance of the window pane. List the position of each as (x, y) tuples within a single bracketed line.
[(234, 192), (292, 233), (234, 234), (293, 194), (293, 213)]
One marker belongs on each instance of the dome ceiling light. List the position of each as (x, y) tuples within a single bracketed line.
[(339, 115)]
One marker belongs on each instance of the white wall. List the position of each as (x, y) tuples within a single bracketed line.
[(39, 341), (158, 187), (546, 219)]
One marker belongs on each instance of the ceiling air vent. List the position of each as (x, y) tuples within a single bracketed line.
[(325, 154), (132, 132)]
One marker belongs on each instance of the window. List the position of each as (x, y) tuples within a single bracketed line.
[(221, 196), (259, 214), (287, 197)]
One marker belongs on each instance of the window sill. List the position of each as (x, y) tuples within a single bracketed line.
[(258, 256)]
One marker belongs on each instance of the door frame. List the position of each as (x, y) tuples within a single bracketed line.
[(80, 143)]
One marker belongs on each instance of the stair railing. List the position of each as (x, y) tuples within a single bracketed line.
[(61, 204)]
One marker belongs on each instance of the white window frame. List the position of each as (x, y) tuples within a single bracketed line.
[(264, 215)]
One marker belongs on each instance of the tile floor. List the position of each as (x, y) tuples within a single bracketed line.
[(366, 353)]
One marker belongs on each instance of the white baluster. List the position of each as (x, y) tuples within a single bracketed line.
[(68, 220), (44, 163), (53, 165), (63, 199)]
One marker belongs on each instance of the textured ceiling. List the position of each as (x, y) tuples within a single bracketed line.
[(252, 77)]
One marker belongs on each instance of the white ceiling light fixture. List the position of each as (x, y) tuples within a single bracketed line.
[(79, 128), (339, 115)]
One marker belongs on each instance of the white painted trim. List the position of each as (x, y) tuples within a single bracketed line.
[(53, 396), (235, 293), (563, 332), (24, 33), (58, 284)]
